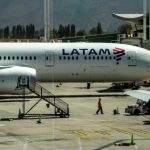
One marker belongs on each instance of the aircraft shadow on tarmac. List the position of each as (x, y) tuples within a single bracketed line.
[(31, 117), (111, 89), (146, 122), (132, 115), (106, 90), (118, 89)]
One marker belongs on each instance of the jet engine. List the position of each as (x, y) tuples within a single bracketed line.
[(13, 79)]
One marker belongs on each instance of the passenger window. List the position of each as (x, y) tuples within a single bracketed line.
[(4, 57), (26, 58), (77, 58), (89, 57), (72, 58), (85, 58), (64, 58), (13, 58), (97, 57), (68, 58), (93, 57), (102, 57), (21, 57), (35, 58), (30, 58), (60, 57), (17, 58), (8, 57), (110, 57), (129, 57)]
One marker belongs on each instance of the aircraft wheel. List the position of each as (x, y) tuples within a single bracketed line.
[(136, 112)]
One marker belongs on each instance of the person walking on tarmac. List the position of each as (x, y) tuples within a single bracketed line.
[(100, 108)]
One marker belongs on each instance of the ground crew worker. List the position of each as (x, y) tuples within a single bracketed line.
[(100, 108)]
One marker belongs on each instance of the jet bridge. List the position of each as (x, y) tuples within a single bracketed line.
[(61, 108)]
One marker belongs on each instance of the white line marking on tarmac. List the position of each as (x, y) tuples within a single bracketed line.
[(145, 118), (80, 144), (25, 146), (53, 133), (136, 147), (2, 125)]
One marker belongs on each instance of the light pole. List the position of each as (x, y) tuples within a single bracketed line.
[(48, 20), (144, 19)]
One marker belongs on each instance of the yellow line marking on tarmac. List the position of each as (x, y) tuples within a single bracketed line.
[(129, 131), (140, 132), (81, 134), (123, 131), (147, 129), (103, 133), (107, 134)]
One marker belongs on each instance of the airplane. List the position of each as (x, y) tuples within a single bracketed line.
[(70, 62), (143, 95)]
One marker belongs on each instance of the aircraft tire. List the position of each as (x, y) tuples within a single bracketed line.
[(136, 112)]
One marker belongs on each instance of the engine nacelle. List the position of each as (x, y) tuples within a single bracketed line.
[(11, 78)]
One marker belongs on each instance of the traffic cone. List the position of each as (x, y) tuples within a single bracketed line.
[(115, 111), (132, 140), (39, 120), (19, 113)]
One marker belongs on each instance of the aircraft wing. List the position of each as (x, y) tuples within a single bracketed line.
[(5, 67), (19, 65), (139, 94)]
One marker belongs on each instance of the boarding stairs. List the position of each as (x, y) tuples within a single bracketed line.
[(61, 108)]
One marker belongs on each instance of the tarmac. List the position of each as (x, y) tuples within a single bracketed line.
[(83, 130)]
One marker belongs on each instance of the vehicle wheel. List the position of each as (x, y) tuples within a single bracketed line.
[(136, 112)]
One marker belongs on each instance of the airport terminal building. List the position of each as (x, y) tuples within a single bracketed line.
[(139, 35)]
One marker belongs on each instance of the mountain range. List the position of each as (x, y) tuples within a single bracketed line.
[(83, 13)]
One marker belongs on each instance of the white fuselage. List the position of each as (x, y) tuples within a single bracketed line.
[(78, 62)]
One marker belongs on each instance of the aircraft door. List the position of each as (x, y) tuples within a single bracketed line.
[(23, 81), (49, 59), (132, 58)]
